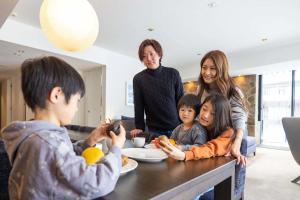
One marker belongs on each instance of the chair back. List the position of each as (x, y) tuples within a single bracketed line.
[(291, 126)]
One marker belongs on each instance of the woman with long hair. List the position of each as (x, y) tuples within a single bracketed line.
[(214, 77)]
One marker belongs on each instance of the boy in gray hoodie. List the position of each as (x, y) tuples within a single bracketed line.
[(45, 164)]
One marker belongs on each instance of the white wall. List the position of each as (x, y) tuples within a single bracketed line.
[(119, 68)]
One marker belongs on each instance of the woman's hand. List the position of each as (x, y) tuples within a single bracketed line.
[(172, 151), (118, 140), (135, 132), (235, 151)]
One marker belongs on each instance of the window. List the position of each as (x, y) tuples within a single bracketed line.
[(297, 94)]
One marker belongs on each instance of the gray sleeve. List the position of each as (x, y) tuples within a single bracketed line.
[(88, 181), (239, 115), (198, 135), (175, 133), (185, 147), (79, 146)]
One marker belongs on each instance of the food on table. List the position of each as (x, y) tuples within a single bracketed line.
[(155, 142), (164, 138), (124, 160), (92, 155)]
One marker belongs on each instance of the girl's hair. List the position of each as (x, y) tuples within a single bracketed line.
[(189, 100), (222, 114), (224, 82), (156, 46)]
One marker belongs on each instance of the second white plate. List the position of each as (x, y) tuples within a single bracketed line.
[(150, 146), (145, 155), (131, 165)]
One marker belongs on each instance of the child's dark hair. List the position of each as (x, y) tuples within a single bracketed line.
[(222, 114), (189, 100), (41, 75)]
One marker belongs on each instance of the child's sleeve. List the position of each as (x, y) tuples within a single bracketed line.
[(198, 136), (216, 147), (80, 146), (175, 132), (88, 181)]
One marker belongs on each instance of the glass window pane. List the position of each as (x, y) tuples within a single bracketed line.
[(276, 104), (297, 94)]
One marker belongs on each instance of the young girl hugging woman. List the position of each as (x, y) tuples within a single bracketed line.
[(190, 132), (215, 116)]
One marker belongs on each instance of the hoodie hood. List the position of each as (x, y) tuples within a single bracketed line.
[(18, 131)]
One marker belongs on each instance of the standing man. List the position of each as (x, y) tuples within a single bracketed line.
[(157, 91)]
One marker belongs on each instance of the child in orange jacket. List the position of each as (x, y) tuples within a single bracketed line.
[(215, 116)]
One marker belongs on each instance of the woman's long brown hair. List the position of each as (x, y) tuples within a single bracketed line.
[(224, 82)]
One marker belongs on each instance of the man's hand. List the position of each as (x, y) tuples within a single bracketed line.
[(135, 132), (172, 151)]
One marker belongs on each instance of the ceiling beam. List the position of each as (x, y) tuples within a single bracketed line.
[(6, 6)]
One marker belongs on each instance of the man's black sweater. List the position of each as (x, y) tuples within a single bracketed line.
[(156, 92)]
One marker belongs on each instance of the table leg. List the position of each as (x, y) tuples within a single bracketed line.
[(224, 190)]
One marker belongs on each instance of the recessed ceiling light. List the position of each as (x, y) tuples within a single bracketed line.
[(150, 29), (14, 14), (212, 4), (19, 53), (264, 39)]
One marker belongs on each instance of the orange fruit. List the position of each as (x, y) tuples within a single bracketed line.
[(92, 155)]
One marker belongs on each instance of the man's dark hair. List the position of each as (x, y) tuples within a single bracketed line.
[(189, 100), (41, 75), (156, 46)]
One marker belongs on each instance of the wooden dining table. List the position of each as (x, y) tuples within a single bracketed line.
[(172, 179)]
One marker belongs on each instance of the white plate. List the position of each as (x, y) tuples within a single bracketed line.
[(150, 146), (145, 155), (131, 165)]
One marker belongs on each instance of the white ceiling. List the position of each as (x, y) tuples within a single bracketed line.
[(188, 28), (12, 55)]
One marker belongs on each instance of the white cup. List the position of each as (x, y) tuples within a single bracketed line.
[(99, 146), (138, 141)]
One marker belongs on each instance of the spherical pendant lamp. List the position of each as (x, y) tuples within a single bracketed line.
[(71, 25)]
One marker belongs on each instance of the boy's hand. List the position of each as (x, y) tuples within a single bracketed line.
[(97, 134), (119, 140)]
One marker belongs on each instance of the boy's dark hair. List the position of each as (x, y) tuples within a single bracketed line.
[(41, 75), (222, 114), (189, 100), (156, 46)]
